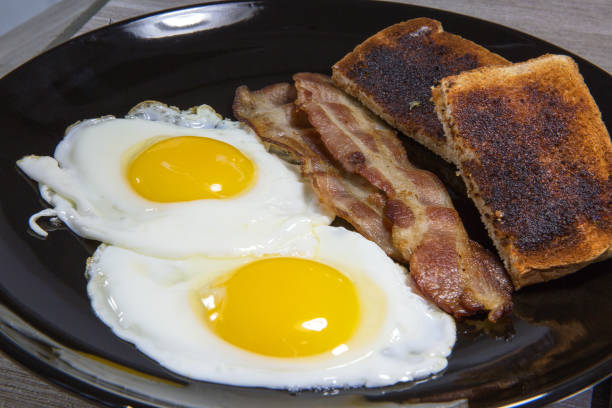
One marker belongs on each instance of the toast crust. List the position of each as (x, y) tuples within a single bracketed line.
[(392, 73), (536, 157)]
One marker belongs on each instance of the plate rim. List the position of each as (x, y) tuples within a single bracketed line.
[(579, 382), (130, 20)]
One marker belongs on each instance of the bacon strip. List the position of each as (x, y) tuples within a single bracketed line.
[(285, 130), (456, 273)]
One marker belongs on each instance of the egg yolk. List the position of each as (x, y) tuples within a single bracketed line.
[(283, 307), (189, 168)]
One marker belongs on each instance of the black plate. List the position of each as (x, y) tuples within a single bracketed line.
[(558, 341)]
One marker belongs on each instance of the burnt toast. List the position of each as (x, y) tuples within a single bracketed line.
[(532, 148), (393, 71)]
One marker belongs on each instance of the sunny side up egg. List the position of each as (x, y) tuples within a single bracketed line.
[(345, 317), (172, 183), (221, 264)]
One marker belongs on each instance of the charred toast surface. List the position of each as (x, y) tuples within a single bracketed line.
[(536, 157), (393, 71)]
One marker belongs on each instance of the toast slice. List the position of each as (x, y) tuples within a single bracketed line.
[(393, 71), (536, 157)]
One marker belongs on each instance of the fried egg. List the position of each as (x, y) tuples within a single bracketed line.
[(173, 183), (342, 317)]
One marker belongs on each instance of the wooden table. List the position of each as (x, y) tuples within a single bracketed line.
[(582, 27)]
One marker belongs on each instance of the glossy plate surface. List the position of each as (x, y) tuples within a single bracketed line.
[(558, 341)]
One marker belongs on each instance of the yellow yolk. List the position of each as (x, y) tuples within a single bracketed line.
[(283, 307), (189, 168)]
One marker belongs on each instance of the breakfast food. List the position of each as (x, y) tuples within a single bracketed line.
[(285, 130), (342, 318), (254, 287), (311, 306), (392, 72), (160, 181), (536, 157)]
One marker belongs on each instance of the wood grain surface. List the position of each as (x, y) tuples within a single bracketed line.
[(582, 27)]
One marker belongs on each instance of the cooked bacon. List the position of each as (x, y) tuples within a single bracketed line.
[(457, 274), (284, 129)]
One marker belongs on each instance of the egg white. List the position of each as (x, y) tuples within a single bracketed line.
[(85, 183), (145, 301)]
